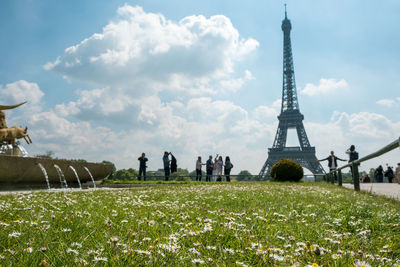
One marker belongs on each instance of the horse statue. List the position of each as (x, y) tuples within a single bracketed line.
[(12, 133)]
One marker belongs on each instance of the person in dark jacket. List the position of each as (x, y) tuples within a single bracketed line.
[(227, 169), (166, 162), (174, 165), (142, 166), (379, 174), (389, 174), (332, 162), (353, 155), (209, 168)]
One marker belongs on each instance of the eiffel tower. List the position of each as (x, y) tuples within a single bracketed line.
[(289, 118)]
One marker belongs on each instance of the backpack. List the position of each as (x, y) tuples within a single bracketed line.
[(353, 156)]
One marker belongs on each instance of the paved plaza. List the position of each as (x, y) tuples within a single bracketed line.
[(390, 190)]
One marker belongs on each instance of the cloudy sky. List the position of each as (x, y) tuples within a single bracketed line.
[(107, 80)]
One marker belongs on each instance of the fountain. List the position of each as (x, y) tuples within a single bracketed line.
[(45, 175), (77, 177), (19, 170), (91, 176), (61, 176)]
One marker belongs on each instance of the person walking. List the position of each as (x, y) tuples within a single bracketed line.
[(379, 174), (227, 168), (198, 169), (142, 167), (397, 177), (166, 162), (332, 162), (389, 174), (218, 168), (209, 168)]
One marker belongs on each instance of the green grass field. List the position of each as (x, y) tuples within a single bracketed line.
[(237, 224)]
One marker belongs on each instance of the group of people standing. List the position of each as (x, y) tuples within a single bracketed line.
[(389, 174), (378, 174), (214, 168), (170, 165)]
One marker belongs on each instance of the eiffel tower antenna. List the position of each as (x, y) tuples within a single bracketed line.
[(290, 117), (285, 12)]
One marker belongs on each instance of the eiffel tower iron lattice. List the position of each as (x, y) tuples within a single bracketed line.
[(290, 117)]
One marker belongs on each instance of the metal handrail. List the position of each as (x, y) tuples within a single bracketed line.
[(395, 144), (354, 165)]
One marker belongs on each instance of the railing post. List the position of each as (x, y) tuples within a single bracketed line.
[(340, 177), (334, 177), (356, 177)]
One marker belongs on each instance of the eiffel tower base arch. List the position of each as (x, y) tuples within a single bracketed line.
[(306, 158)]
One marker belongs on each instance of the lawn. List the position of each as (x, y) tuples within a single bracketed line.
[(237, 224)]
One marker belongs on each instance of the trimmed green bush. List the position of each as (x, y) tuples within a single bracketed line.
[(287, 170)]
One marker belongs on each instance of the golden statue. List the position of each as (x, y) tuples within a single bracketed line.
[(15, 132)]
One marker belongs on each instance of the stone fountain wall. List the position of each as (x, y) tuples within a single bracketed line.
[(25, 171)]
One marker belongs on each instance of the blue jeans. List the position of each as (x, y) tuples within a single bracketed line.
[(209, 174), (166, 170), (142, 170)]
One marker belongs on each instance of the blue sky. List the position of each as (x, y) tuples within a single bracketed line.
[(202, 102)]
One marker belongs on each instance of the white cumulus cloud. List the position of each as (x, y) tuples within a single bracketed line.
[(388, 102), (141, 51), (234, 84), (140, 55), (366, 130), (21, 91), (325, 86)]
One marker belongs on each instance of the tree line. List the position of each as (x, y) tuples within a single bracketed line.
[(180, 175)]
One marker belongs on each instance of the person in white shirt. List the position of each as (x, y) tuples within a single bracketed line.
[(198, 169), (214, 172), (332, 162), (219, 165)]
